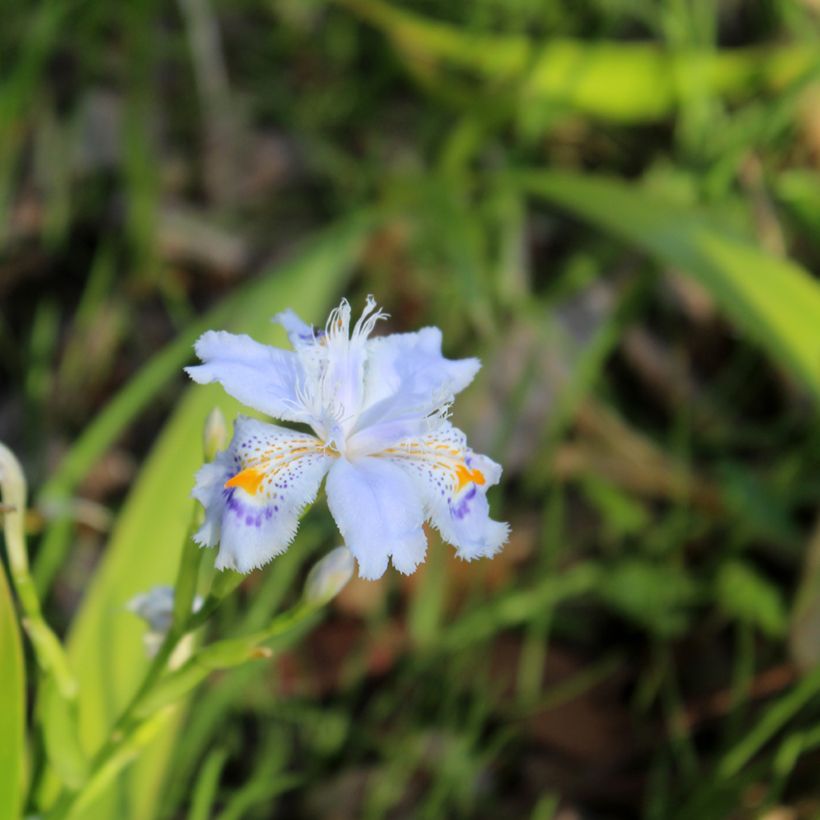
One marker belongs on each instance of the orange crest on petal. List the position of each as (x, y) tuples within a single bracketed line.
[(464, 476), (249, 480)]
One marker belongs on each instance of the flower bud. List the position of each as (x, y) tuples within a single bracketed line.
[(329, 576), (215, 434), (13, 484), (156, 608)]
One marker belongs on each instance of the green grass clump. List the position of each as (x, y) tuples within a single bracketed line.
[(615, 205)]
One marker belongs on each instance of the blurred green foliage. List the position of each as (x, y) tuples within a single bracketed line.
[(12, 725), (616, 204)]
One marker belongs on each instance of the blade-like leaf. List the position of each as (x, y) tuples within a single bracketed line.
[(105, 642), (745, 594), (621, 82), (771, 299), (13, 708)]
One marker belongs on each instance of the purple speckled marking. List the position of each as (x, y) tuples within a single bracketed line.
[(462, 508), (246, 514)]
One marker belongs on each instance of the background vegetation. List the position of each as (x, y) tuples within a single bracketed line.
[(616, 204)]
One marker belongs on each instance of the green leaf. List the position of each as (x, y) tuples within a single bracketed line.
[(656, 596), (226, 654), (621, 514), (205, 790), (13, 710), (517, 607), (746, 595), (773, 719), (105, 641), (757, 508), (621, 82), (59, 721), (773, 300), (798, 191), (804, 630)]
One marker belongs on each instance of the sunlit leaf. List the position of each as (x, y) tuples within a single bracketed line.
[(622, 82), (12, 706), (773, 300)]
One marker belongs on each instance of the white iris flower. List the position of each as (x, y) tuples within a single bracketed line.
[(378, 410)]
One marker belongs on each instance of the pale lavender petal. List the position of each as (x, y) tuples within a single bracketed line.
[(406, 379), (379, 513), (453, 481), (299, 332), (262, 377), (272, 473)]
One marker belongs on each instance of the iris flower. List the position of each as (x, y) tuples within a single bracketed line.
[(378, 411)]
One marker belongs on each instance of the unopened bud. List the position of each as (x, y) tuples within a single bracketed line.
[(156, 608), (329, 576), (13, 484), (215, 434)]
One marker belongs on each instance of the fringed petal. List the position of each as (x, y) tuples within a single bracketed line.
[(453, 482), (255, 491)]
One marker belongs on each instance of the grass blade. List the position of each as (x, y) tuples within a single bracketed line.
[(13, 711), (773, 300)]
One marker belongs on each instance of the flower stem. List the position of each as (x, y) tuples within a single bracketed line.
[(126, 738), (47, 647)]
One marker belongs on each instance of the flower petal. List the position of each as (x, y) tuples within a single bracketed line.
[(453, 480), (379, 513), (346, 354), (299, 332), (254, 492), (406, 379), (263, 377)]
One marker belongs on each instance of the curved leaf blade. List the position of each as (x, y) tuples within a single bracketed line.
[(13, 710), (773, 300), (614, 81)]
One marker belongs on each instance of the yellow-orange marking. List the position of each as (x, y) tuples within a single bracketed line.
[(249, 480), (465, 476)]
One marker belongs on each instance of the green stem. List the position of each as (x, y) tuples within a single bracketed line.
[(187, 578), (121, 735), (157, 693), (113, 756), (47, 647)]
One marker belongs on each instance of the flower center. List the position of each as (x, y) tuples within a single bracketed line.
[(335, 440)]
